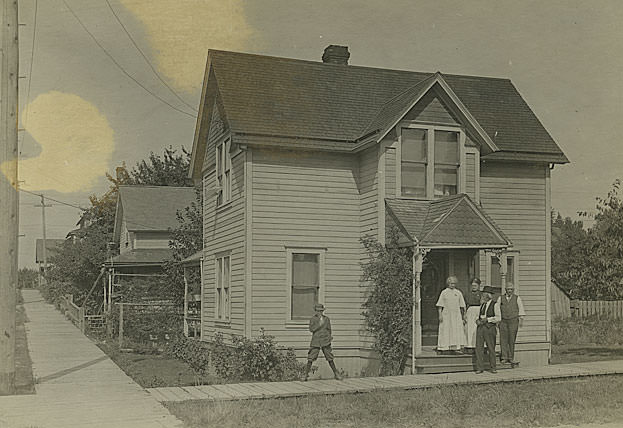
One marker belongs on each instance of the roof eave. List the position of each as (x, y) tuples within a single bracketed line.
[(199, 142)]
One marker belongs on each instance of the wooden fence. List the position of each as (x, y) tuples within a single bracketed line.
[(72, 311), (599, 308), (561, 302)]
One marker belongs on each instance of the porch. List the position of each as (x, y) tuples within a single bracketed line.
[(449, 236)]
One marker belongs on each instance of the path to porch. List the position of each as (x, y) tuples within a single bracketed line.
[(245, 391), (77, 385)]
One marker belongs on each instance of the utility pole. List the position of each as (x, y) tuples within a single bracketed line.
[(45, 249), (9, 199)]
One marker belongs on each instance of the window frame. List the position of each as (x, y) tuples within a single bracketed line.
[(514, 254), (223, 169), (431, 163), (321, 252), (222, 300)]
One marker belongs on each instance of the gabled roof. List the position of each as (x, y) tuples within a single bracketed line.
[(151, 208), (284, 97), (454, 221)]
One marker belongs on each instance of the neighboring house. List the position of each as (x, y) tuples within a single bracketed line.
[(300, 160), (144, 219), (79, 232)]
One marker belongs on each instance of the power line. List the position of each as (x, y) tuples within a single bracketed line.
[(32, 57), (146, 59), (119, 65), (51, 199)]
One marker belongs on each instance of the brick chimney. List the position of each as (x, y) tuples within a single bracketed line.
[(335, 54)]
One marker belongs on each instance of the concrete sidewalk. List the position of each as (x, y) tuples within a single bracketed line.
[(77, 384)]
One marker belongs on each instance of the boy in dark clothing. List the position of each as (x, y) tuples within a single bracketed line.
[(320, 327)]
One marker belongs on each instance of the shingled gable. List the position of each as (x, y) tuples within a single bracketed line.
[(151, 208), (395, 109), (453, 222), (341, 107)]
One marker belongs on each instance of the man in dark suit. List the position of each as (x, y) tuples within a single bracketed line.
[(320, 327), (486, 332)]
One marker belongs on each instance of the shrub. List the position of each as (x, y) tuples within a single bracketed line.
[(259, 359), (193, 352), (598, 330), (387, 309), (147, 324)]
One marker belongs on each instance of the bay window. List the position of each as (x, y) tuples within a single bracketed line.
[(430, 162)]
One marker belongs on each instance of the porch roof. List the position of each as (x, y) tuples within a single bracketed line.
[(452, 222), (141, 257)]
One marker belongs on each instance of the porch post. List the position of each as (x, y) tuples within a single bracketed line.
[(416, 315), (503, 269), (185, 302)]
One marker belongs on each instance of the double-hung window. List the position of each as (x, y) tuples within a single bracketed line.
[(495, 273), (305, 282), (223, 171), (223, 288), (430, 161)]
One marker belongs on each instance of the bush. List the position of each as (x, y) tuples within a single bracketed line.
[(193, 352), (257, 359), (147, 324), (598, 330)]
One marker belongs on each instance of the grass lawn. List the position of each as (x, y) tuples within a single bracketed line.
[(542, 403), (152, 370), (580, 353)]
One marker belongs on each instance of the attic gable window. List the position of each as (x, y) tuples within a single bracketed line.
[(223, 171), (430, 161)]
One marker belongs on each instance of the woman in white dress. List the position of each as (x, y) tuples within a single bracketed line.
[(472, 300), (451, 309)]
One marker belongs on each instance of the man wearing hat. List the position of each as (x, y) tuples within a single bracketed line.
[(320, 327), (512, 311), (486, 333)]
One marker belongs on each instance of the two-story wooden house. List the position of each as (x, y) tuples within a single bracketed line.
[(300, 159)]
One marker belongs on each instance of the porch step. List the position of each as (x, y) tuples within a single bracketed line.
[(431, 363)]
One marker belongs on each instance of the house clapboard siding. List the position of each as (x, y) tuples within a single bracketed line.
[(305, 200), (514, 195), (224, 234)]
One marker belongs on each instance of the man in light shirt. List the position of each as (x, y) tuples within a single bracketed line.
[(486, 331), (513, 313)]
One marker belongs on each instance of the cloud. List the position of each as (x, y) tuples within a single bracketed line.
[(76, 144), (182, 31)]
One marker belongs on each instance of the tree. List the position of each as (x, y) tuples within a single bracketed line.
[(388, 307), (569, 241), (185, 241), (589, 264), (27, 278)]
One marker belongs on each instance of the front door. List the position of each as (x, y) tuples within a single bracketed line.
[(433, 281)]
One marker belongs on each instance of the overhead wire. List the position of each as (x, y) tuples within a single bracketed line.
[(120, 67), (147, 59), (32, 58), (52, 199)]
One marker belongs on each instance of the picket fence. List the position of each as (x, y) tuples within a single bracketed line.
[(600, 308)]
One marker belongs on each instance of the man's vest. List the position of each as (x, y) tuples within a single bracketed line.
[(509, 308), (490, 310)]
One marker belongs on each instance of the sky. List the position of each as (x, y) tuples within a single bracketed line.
[(109, 81)]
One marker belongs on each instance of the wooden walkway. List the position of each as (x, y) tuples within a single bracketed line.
[(246, 391), (77, 384)]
